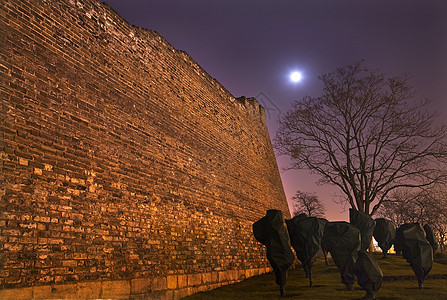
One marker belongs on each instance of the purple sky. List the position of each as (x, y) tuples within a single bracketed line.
[(252, 46)]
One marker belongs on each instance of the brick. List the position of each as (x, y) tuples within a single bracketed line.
[(69, 263), (182, 281), (23, 161), (172, 282), (233, 275), (214, 276), (194, 279), (223, 276), (13, 247), (206, 278), (159, 283), (88, 290), (140, 285), (115, 289)]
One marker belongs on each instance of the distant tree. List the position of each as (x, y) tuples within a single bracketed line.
[(440, 228), (404, 206), (309, 204), (426, 207), (366, 135)]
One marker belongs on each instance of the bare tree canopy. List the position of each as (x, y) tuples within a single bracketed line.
[(426, 207), (406, 206), (365, 134), (308, 204)]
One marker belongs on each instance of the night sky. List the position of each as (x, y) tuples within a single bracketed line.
[(252, 46)]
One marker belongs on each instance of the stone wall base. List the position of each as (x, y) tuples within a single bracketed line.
[(169, 287)]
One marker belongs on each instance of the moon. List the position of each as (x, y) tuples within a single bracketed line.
[(295, 76)]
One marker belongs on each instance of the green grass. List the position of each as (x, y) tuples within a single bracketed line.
[(327, 284)]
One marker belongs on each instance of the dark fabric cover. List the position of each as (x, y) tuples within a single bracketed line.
[(384, 233), (305, 236), (430, 236), (342, 240), (365, 224), (369, 274), (292, 225), (415, 249), (271, 231), (299, 217)]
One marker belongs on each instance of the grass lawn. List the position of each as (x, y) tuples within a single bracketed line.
[(399, 283)]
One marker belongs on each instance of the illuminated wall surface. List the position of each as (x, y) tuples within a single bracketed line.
[(125, 168)]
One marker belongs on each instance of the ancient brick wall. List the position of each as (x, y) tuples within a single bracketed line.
[(125, 168)]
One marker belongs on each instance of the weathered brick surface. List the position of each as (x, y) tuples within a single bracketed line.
[(137, 288), (121, 158)]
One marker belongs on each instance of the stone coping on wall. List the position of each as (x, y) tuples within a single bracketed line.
[(169, 287)]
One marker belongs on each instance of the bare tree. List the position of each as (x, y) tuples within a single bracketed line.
[(366, 135), (426, 207), (404, 206), (309, 204), (440, 229), (436, 213)]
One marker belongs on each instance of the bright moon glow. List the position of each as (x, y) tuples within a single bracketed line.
[(295, 76)]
